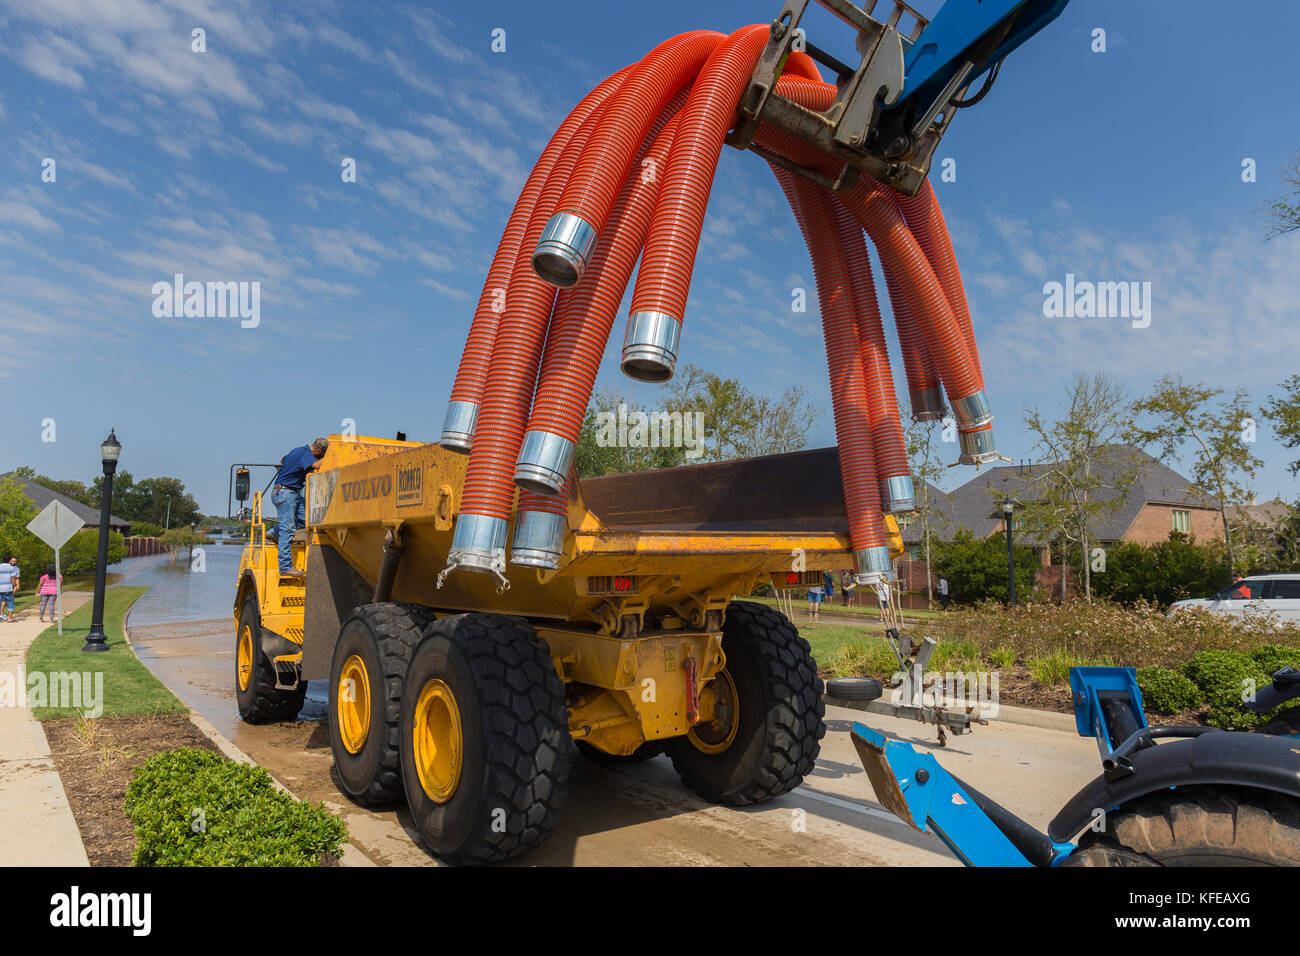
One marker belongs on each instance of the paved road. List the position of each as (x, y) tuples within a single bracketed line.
[(640, 814)]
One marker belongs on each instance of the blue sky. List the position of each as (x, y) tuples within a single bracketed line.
[(225, 165)]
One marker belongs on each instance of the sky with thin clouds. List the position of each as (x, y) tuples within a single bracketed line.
[(225, 165)]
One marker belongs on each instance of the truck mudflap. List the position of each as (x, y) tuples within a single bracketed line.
[(921, 793), (1204, 755)]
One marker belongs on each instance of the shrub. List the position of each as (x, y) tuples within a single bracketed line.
[(1273, 657), (1002, 658), (1165, 691), (145, 529), (976, 569), (1226, 678), (1054, 669), (194, 807)]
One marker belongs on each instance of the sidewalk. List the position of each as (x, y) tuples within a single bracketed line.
[(36, 824)]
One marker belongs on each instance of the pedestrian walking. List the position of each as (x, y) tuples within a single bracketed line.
[(48, 589), (942, 591)]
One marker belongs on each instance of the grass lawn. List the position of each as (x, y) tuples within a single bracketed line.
[(129, 687), (831, 642), (71, 582)]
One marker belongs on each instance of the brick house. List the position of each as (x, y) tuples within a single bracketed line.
[(1160, 501)]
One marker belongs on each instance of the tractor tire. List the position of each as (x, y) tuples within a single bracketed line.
[(484, 738), (771, 741), (647, 751), (1285, 724), (255, 692), (371, 656), (1197, 826)]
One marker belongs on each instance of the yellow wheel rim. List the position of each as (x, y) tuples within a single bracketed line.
[(438, 746), (244, 656), (354, 704), (716, 735)]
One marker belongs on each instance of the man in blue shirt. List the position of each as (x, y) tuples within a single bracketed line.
[(290, 506)]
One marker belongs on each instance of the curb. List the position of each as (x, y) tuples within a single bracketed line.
[(1022, 716), (351, 855)]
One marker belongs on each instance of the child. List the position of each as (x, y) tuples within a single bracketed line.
[(48, 589)]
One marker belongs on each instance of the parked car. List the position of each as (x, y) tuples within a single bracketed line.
[(1276, 593)]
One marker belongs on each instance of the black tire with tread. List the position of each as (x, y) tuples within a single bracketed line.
[(781, 713), (262, 703), (1197, 826), (516, 747), (373, 775)]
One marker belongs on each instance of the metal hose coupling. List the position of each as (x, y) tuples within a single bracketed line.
[(973, 410), (479, 544), (977, 446), (874, 565), (538, 540), (458, 426), (564, 250), (544, 463), (650, 346), (897, 494), (927, 404)]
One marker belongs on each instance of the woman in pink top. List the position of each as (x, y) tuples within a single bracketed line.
[(48, 589)]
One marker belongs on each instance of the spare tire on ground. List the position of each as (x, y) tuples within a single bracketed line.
[(854, 688)]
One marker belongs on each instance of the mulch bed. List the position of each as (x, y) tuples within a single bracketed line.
[(95, 759)]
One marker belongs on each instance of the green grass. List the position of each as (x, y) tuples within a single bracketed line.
[(128, 686), (71, 582)]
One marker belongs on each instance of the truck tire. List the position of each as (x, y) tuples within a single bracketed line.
[(255, 692), (771, 741), (854, 688), (647, 751), (1197, 826), (371, 656), (485, 745)]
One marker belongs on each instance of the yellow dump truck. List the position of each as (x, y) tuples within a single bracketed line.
[(466, 697)]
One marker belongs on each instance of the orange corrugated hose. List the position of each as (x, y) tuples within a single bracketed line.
[(512, 375), (886, 424), (850, 401), (589, 193), (468, 386), (663, 281), (922, 379), (584, 315)]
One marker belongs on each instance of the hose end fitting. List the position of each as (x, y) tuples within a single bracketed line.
[(458, 427), (927, 404), (564, 250), (538, 539), (650, 346), (874, 565), (972, 411), (479, 544), (544, 463), (977, 446), (897, 494)]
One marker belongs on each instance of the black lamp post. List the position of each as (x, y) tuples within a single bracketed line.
[(109, 451), (1008, 511)]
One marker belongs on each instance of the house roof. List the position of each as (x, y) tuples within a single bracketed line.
[(974, 505), (42, 496), (1266, 513)]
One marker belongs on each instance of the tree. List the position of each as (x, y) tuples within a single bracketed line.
[(69, 487), (976, 569), (161, 501), (1283, 211), (1284, 413), (738, 423), (925, 471), (596, 455), (1214, 426), (1084, 473), (183, 537)]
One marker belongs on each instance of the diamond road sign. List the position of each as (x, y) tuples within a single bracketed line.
[(55, 525)]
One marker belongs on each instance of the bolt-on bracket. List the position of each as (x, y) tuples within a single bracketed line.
[(889, 113)]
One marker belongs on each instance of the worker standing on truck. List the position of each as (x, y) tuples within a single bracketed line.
[(290, 507)]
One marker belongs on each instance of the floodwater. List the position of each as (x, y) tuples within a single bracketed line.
[(182, 588)]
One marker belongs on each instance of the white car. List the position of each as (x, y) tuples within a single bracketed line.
[(1275, 593)]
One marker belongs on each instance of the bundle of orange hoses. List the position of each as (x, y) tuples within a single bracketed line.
[(626, 178)]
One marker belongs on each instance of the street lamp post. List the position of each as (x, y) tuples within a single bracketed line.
[(1008, 511), (109, 451)]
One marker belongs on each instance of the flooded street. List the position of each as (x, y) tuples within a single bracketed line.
[(630, 814)]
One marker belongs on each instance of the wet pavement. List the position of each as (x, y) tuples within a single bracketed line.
[(635, 814)]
